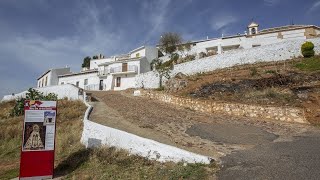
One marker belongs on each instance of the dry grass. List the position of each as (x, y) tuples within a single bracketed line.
[(74, 161), (5, 108)]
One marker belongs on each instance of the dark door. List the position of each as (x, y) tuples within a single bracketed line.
[(101, 85), (124, 67), (118, 82)]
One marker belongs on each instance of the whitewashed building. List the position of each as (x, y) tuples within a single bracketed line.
[(50, 77), (82, 79), (120, 73), (254, 37), (112, 73)]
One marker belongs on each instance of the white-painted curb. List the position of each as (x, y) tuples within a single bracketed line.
[(95, 135)]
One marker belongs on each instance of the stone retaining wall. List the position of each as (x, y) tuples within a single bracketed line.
[(287, 114)]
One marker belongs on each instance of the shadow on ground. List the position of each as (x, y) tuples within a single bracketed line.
[(73, 162)]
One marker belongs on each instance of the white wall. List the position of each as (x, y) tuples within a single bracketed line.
[(63, 91), (92, 79), (142, 53), (295, 34), (151, 53), (52, 77), (273, 52), (127, 81), (94, 135), (43, 79), (67, 90), (147, 80)]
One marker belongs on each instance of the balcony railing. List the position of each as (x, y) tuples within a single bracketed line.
[(119, 69), (130, 68), (95, 87)]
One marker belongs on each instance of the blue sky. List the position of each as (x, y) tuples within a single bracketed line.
[(36, 35)]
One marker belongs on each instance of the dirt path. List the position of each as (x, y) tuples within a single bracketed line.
[(207, 134)]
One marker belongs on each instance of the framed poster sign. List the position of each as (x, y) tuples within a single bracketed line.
[(38, 141)]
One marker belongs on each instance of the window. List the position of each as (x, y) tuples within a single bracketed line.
[(46, 82), (77, 83), (118, 83), (62, 83), (138, 55), (41, 82), (124, 67), (253, 31), (86, 82)]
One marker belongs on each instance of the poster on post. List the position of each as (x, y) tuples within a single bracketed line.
[(38, 141)]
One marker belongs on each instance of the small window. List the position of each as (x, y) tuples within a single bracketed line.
[(118, 83), (46, 82), (253, 31), (77, 83), (86, 82), (138, 55), (41, 82), (62, 83)]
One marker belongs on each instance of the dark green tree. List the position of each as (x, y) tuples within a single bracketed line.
[(86, 62)]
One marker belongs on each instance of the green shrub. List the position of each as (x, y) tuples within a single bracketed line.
[(307, 49), (175, 57), (32, 94)]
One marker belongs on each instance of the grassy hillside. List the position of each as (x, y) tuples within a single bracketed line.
[(74, 161), (294, 82)]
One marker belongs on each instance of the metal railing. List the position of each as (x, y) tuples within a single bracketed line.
[(104, 72), (130, 68), (95, 87)]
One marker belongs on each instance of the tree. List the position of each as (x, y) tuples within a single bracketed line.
[(169, 41), (162, 68), (86, 62)]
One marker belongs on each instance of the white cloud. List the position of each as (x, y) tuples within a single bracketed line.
[(314, 6), (155, 14), (39, 52), (221, 21), (271, 2)]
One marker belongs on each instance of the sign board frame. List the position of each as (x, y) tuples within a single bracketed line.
[(38, 140)]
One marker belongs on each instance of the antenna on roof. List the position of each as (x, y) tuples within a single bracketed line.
[(292, 22)]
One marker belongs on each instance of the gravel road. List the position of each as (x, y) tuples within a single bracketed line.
[(246, 148)]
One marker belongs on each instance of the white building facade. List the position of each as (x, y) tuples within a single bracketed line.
[(113, 73), (119, 72), (254, 38), (51, 77), (82, 79)]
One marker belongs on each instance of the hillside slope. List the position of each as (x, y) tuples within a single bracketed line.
[(293, 82)]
